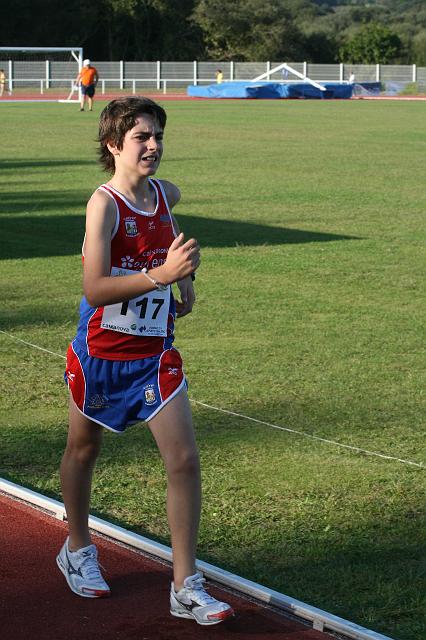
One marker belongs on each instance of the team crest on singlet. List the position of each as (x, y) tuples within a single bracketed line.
[(131, 227)]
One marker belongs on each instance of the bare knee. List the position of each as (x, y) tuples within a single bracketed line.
[(83, 454), (183, 463), (84, 439)]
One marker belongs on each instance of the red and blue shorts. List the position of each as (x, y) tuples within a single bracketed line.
[(118, 393)]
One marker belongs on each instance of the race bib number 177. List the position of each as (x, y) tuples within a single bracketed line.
[(146, 315)]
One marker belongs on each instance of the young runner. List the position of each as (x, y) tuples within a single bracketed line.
[(121, 366)]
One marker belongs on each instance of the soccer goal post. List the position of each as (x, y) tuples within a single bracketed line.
[(39, 73)]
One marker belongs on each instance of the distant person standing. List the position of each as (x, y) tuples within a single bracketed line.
[(219, 76), (352, 78), (2, 81), (87, 79)]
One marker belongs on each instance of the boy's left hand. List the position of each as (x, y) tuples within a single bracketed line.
[(187, 294)]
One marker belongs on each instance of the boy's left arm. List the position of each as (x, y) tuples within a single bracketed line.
[(186, 286)]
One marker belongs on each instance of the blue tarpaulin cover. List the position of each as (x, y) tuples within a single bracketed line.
[(270, 90), (367, 88)]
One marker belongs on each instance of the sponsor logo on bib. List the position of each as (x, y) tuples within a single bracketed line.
[(127, 261)]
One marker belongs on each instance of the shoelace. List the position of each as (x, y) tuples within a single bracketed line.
[(90, 566), (200, 594)]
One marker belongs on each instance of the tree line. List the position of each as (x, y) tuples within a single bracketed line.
[(321, 31)]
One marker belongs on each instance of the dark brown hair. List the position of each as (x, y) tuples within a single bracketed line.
[(118, 117)]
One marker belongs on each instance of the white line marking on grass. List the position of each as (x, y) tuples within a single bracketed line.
[(309, 435), (30, 344), (267, 424)]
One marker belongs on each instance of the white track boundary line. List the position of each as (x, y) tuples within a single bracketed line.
[(267, 424), (321, 620), (17, 100)]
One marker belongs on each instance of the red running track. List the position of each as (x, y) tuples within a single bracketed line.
[(36, 603), (29, 96), (160, 97)]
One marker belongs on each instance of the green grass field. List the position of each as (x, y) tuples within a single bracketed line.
[(310, 316)]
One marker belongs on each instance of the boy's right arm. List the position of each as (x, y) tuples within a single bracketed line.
[(100, 288)]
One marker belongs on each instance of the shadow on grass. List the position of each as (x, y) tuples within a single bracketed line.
[(40, 236), (231, 233), (39, 203), (44, 314), (31, 236), (10, 163)]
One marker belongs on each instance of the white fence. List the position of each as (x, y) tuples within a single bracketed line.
[(51, 74)]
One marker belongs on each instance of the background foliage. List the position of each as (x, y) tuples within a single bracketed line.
[(312, 30)]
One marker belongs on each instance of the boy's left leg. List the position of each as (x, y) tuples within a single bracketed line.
[(174, 435), (173, 431)]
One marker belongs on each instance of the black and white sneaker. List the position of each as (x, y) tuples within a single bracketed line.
[(193, 602), (81, 571)]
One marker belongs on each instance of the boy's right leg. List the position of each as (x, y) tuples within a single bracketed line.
[(78, 462), (78, 557)]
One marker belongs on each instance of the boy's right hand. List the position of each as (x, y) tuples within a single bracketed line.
[(182, 259)]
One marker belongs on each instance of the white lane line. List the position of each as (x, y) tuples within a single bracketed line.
[(376, 454)]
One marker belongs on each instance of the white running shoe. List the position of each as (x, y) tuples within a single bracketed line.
[(193, 601), (81, 571)]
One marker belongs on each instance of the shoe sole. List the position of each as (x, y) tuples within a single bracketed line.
[(62, 568), (189, 616)]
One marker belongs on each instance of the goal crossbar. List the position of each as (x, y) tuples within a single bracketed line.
[(75, 52)]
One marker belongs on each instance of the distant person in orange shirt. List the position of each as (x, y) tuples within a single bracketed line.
[(87, 79), (2, 81)]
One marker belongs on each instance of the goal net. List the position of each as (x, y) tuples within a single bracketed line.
[(37, 73)]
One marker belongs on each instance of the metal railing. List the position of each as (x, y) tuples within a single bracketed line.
[(163, 76)]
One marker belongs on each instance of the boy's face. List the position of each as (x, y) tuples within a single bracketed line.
[(142, 147)]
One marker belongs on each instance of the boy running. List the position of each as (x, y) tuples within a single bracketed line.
[(121, 366)]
